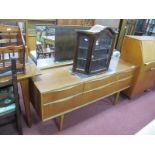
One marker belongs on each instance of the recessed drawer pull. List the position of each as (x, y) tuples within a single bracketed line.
[(152, 69), (148, 63), (66, 88), (62, 100)]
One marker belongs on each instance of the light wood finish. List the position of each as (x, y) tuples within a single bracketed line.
[(116, 98), (140, 51), (31, 71), (31, 42), (61, 122), (85, 22), (126, 27), (59, 91)]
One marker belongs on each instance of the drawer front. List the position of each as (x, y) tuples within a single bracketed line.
[(99, 93), (124, 83), (60, 106), (62, 93), (93, 84), (126, 74)]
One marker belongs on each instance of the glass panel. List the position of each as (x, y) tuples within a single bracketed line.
[(81, 64), (102, 52), (98, 65), (82, 52)]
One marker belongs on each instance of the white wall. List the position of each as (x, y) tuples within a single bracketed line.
[(108, 22)]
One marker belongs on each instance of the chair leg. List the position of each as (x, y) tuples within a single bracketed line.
[(19, 121), (116, 98), (61, 122), (19, 126)]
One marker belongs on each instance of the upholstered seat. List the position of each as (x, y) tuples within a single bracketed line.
[(8, 100)]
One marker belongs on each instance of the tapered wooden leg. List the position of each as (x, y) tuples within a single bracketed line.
[(116, 98), (61, 122), (26, 97)]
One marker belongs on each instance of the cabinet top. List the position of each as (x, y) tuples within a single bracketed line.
[(142, 37), (58, 78), (97, 29)]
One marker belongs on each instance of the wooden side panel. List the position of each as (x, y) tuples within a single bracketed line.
[(35, 98), (148, 50), (131, 51)]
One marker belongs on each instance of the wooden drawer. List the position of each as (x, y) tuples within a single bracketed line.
[(124, 83), (92, 84), (126, 74), (60, 106), (99, 93), (62, 93)]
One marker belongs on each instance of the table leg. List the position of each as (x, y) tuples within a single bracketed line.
[(116, 98), (26, 98), (61, 122)]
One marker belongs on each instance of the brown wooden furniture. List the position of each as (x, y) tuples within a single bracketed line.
[(85, 22), (140, 51), (59, 91), (94, 49), (30, 71), (12, 44), (9, 98)]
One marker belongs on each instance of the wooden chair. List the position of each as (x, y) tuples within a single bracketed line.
[(12, 44), (9, 98), (43, 53)]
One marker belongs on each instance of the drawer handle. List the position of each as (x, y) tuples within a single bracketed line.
[(152, 69)]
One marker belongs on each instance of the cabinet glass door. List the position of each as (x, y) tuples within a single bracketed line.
[(82, 52), (102, 53)]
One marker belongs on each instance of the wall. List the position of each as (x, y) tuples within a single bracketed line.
[(108, 22)]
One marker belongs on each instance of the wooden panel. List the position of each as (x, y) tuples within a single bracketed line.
[(126, 74), (99, 92), (124, 83), (148, 50), (56, 108), (35, 98), (89, 22), (92, 84), (4, 28), (31, 43), (131, 51), (62, 93)]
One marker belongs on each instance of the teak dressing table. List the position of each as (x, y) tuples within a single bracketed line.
[(58, 91)]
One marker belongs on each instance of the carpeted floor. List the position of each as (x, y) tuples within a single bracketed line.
[(101, 118)]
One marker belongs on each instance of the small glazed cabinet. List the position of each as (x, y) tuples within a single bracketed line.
[(94, 49)]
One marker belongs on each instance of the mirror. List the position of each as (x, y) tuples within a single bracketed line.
[(55, 45)]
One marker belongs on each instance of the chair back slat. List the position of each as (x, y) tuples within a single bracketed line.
[(11, 44), (5, 95), (7, 69), (2, 105), (6, 83)]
